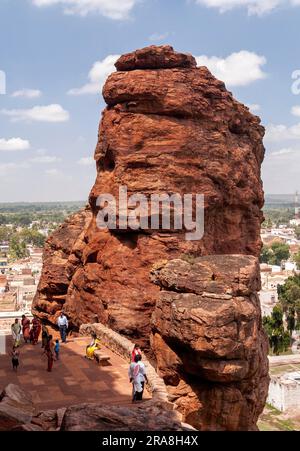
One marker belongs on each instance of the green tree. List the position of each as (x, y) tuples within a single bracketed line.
[(279, 339), (289, 298), (267, 224), (31, 236), (17, 248), (5, 233), (266, 254), (281, 252), (291, 321)]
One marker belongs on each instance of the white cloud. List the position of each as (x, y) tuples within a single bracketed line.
[(280, 132), (114, 9), (41, 152), (86, 161), (48, 113), (158, 36), (254, 107), (258, 7), (45, 159), (27, 93), (58, 175), (238, 69), (13, 144), (8, 168), (281, 170), (5, 167), (97, 76), (52, 172), (296, 110), (283, 152)]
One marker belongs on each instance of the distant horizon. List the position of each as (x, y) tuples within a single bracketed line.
[(82, 201)]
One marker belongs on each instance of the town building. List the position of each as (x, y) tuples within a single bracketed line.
[(284, 391)]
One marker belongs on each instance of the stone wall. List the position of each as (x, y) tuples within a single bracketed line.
[(123, 347)]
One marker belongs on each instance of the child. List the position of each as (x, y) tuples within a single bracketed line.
[(15, 358), (56, 349)]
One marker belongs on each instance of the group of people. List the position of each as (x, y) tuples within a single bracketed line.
[(31, 332), (136, 371)]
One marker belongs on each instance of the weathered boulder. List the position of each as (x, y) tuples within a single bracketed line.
[(16, 407), (154, 57), (94, 417), (208, 340)]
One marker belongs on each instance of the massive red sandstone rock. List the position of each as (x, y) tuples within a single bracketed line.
[(169, 127)]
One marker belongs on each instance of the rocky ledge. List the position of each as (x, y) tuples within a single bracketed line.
[(17, 413)]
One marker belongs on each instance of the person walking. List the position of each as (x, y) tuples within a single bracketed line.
[(15, 358), (49, 353), (137, 377), (16, 333), (25, 328), (35, 331), (45, 335), (63, 325)]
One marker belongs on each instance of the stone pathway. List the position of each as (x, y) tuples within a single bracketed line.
[(284, 359), (73, 380)]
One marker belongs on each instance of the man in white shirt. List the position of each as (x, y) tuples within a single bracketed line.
[(63, 325), (138, 377)]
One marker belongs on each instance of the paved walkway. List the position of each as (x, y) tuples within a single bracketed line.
[(73, 380), (275, 360)]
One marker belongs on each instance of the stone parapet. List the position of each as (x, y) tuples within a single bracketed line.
[(123, 347)]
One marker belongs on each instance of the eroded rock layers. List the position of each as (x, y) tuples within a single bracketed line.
[(208, 340), (171, 127)]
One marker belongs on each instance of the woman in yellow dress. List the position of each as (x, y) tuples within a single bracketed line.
[(92, 347)]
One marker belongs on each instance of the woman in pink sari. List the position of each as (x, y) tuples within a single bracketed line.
[(25, 328)]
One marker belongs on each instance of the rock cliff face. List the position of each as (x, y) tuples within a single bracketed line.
[(208, 340), (62, 255), (170, 127)]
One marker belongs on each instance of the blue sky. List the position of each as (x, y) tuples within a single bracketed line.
[(50, 112)]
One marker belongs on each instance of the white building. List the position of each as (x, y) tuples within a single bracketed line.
[(295, 222), (284, 391)]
